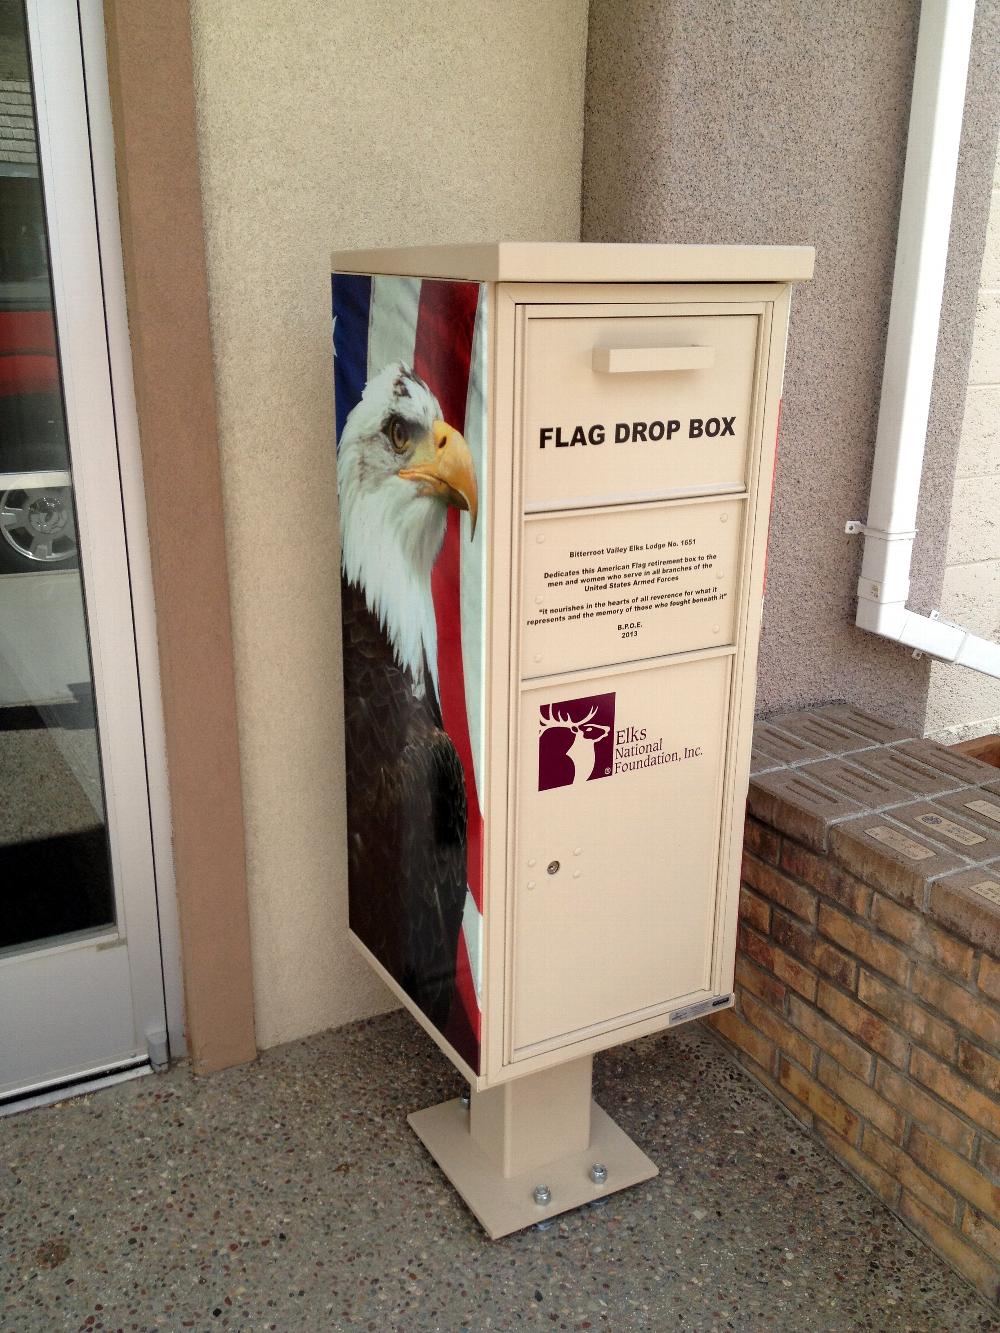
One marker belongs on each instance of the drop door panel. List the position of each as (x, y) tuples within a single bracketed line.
[(627, 407), (618, 810)]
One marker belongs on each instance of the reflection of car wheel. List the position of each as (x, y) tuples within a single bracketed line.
[(37, 529)]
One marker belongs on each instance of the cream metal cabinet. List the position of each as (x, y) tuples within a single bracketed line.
[(554, 467)]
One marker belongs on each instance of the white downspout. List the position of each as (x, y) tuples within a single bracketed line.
[(932, 147)]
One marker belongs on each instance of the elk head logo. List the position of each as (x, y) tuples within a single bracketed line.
[(576, 741)]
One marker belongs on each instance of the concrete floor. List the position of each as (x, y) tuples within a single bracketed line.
[(50, 779), (292, 1195)]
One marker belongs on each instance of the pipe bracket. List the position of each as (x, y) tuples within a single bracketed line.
[(855, 528)]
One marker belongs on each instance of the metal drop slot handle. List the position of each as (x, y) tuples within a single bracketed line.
[(629, 360)]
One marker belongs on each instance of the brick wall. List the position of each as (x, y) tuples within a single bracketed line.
[(868, 968)]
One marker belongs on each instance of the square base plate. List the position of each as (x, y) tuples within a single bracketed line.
[(503, 1205)]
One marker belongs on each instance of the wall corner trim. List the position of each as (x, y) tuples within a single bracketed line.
[(156, 151)]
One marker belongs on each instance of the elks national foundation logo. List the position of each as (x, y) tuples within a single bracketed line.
[(576, 741)]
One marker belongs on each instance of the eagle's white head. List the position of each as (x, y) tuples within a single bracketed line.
[(399, 468)]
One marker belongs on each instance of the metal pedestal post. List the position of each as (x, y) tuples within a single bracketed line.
[(532, 1148)]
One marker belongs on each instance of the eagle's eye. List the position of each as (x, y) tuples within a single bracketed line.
[(398, 432)]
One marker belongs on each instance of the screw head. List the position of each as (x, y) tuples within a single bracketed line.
[(542, 1195), (599, 1173), (553, 867)]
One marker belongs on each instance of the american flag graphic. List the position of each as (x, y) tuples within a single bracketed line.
[(439, 329)]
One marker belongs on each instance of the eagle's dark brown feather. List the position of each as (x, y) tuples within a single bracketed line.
[(406, 817)]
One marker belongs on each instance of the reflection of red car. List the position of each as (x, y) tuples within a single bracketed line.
[(37, 529)]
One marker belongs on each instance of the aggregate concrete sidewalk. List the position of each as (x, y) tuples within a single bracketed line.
[(291, 1195)]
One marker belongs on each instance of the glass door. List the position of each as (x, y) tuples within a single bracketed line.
[(81, 989)]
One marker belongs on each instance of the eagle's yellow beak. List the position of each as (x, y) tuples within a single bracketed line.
[(442, 465)]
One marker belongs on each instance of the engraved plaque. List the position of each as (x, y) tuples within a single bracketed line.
[(611, 587), (947, 828), (899, 842), (991, 809), (987, 888), (976, 842)]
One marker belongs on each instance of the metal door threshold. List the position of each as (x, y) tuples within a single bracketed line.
[(92, 1080)]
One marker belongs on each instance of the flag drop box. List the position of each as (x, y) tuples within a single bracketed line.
[(554, 467)]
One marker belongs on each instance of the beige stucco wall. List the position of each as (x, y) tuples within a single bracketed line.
[(964, 703), (732, 121), (322, 124)]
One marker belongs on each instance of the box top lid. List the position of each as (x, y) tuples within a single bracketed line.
[(580, 261)]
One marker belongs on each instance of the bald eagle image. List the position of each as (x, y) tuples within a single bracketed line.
[(399, 468)]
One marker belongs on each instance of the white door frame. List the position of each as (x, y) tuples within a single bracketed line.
[(102, 145), (69, 72)]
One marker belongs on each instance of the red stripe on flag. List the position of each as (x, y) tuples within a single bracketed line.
[(446, 585), (446, 324)]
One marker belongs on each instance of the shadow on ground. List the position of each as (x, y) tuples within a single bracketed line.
[(290, 1194)]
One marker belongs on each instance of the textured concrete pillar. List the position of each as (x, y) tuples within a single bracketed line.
[(778, 122)]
